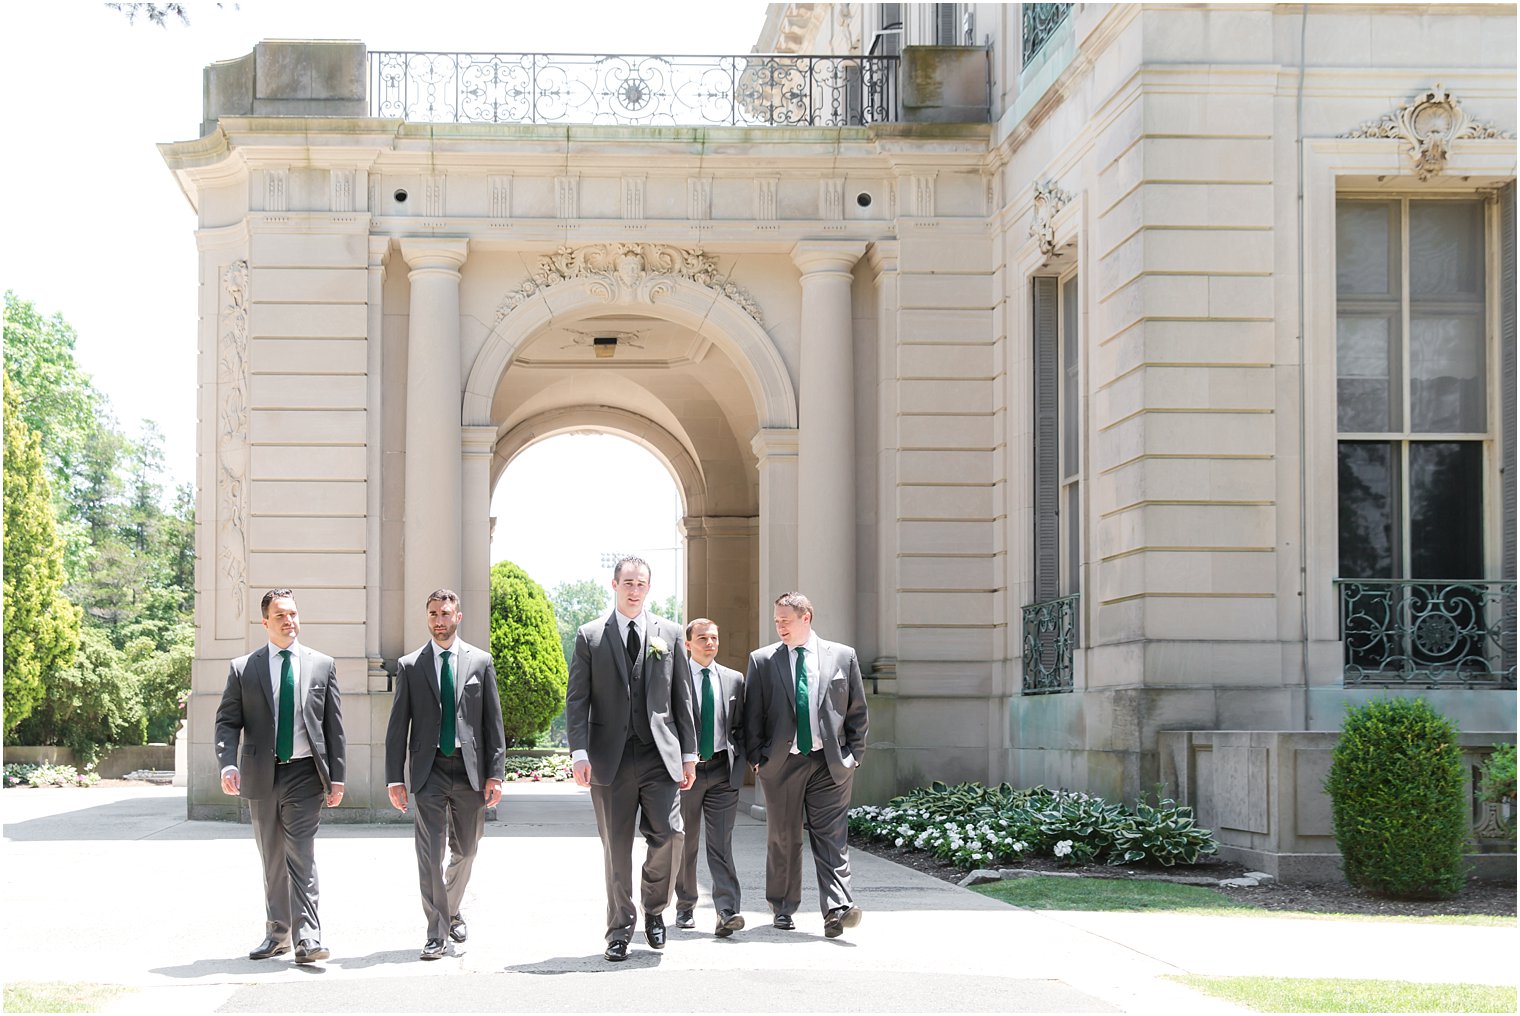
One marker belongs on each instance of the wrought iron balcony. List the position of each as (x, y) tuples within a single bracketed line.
[(1050, 641), (1039, 23), (1428, 633), (754, 90)]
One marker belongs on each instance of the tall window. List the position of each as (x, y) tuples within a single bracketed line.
[(1424, 381), (1412, 387)]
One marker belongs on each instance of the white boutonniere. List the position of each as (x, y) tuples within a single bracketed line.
[(657, 647)]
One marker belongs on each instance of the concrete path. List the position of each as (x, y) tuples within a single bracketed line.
[(116, 886)]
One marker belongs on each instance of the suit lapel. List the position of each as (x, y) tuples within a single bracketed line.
[(304, 699), (782, 666), (259, 669), (612, 638), (429, 671)]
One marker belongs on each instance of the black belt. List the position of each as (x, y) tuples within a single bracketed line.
[(293, 761), (719, 758)]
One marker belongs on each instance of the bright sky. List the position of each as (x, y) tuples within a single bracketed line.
[(95, 227)]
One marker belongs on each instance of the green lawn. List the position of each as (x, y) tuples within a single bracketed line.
[(1046, 892), (1331, 994), (56, 996)]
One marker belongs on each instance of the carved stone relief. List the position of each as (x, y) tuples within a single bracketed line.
[(633, 197), (1048, 200), (567, 196), (500, 188), (699, 197), (1428, 124), (232, 452), (765, 197), (831, 198), (276, 190), (433, 197), (342, 190), (629, 273)]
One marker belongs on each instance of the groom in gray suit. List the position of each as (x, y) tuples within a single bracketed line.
[(279, 737), (805, 731), (458, 756), (718, 707), (632, 741)]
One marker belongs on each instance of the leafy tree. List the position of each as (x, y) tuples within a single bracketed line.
[(670, 609), (576, 603), (530, 675), (41, 625), (90, 706), (164, 679)]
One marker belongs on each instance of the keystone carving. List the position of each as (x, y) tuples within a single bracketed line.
[(1048, 200), (1428, 124)]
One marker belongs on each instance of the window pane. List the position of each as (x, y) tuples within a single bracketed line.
[(1446, 509), (1448, 384), (1366, 393), (1366, 235), (1368, 510), (1446, 249)]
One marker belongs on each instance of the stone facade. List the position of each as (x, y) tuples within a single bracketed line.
[(836, 338)]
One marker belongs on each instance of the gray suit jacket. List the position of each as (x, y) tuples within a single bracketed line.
[(771, 709), (596, 699), (730, 687), (416, 715), (247, 713)]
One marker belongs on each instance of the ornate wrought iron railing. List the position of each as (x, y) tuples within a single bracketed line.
[(1040, 22), (1050, 642), (755, 90), (1428, 633)]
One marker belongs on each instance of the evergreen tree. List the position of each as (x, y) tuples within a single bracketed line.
[(41, 625), (530, 675), (576, 603)]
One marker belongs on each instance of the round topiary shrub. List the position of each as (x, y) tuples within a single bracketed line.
[(530, 668), (1396, 792)]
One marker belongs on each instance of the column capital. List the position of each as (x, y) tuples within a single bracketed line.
[(434, 253), (772, 442), (478, 440), (824, 257)]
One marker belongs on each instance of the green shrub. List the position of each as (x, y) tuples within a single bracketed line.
[(530, 668), (979, 826), (1496, 781), (91, 706), (47, 774), (1396, 794)]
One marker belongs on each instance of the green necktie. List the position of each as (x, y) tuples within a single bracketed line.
[(705, 749), (285, 732), (449, 707), (804, 725)]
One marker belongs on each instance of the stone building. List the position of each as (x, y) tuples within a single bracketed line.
[(1133, 384)]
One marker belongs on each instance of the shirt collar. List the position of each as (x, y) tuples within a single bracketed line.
[(452, 647), (294, 647)]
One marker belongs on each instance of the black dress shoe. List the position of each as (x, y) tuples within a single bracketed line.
[(617, 951), (685, 919), (308, 951), (728, 923), (840, 918), (267, 948), (458, 930), (784, 922), (654, 930), (433, 949)]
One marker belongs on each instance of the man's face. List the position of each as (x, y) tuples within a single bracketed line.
[(443, 620), (793, 628), (282, 622), (703, 644), (629, 590)]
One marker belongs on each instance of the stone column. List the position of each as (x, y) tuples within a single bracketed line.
[(379, 253), (883, 259), (776, 448), (479, 447), (432, 553), (826, 422)]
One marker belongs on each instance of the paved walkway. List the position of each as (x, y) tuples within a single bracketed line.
[(114, 885)]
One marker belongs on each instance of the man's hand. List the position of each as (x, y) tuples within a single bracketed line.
[(582, 773), (493, 792), (335, 795), (398, 797), (231, 784), (688, 775)]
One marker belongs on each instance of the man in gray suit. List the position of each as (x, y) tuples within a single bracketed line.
[(718, 708), (632, 741), (282, 703), (458, 758), (805, 731)]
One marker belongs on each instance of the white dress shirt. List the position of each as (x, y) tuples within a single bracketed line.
[(720, 706), (817, 681)]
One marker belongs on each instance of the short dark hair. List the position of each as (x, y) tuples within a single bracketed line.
[(801, 604), (273, 594), (698, 622), (446, 595), (630, 560)]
